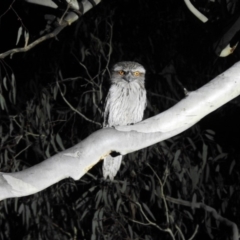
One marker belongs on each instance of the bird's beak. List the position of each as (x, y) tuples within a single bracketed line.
[(127, 77)]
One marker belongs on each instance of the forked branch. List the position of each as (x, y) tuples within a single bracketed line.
[(68, 18)]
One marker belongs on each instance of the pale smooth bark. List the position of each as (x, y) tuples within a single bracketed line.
[(198, 14), (76, 161)]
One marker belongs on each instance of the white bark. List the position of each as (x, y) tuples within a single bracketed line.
[(46, 3), (197, 14), (76, 161)]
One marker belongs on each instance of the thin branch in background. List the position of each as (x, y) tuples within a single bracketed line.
[(94, 101), (6, 67), (70, 79), (166, 173), (60, 26), (25, 131), (108, 60), (85, 68), (92, 82), (68, 19), (162, 192), (33, 44), (91, 79), (109, 52), (152, 223), (180, 232), (19, 19), (64, 14), (194, 233), (209, 209), (161, 96), (10, 7), (59, 228), (74, 109), (195, 205), (22, 150)]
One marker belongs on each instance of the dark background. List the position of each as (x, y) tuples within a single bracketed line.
[(177, 50)]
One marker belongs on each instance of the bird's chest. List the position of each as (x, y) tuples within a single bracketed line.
[(127, 105)]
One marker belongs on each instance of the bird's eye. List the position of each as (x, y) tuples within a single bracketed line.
[(136, 74), (121, 73)]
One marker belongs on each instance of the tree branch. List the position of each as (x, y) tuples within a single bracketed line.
[(74, 109), (195, 12), (209, 209), (67, 20), (76, 161)]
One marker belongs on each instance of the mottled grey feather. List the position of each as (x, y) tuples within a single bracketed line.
[(125, 104), (111, 166)]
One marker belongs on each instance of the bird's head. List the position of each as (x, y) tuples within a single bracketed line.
[(128, 72)]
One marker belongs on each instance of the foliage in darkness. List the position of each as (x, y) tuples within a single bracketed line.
[(52, 97)]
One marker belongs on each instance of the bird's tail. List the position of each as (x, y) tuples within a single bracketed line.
[(111, 166)]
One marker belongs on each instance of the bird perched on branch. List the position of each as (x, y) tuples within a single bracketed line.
[(125, 104)]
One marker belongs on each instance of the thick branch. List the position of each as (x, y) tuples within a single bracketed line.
[(76, 161), (195, 106)]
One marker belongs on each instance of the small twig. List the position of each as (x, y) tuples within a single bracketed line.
[(68, 19), (75, 110), (194, 233), (109, 52), (209, 209), (180, 231), (91, 81), (61, 229), (162, 192), (64, 14), (71, 79), (94, 101), (10, 6), (23, 150), (161, 96), (26, 132), (152, 223), (33, 44)]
